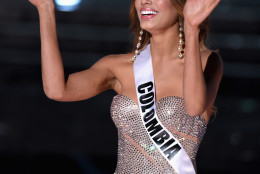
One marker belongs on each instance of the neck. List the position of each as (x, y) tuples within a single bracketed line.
[(164, 45)]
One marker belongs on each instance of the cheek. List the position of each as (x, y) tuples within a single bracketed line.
[(169, 9), (164, 4), (137, 4)]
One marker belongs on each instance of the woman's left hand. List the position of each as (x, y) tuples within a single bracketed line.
[(196, 11)]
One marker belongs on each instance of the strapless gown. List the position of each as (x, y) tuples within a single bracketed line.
[(136, 152)]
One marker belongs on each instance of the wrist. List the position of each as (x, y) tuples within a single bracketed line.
[(190, 30), (46, 7)]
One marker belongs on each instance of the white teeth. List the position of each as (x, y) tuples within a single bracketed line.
[(148, 12)]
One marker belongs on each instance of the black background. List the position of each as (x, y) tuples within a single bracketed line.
[(38, 135)]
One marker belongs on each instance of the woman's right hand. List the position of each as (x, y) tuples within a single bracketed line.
[(79, 86), (40, 3)]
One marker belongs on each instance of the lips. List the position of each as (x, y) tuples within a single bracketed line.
[(148, 13)]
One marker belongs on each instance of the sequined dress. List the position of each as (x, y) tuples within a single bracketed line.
[(136, 152)]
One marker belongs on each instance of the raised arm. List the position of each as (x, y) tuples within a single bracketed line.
[(51, 62), (81, 85), (199, 89)]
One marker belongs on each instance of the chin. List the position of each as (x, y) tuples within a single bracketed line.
[(157, 29), (148, 28)]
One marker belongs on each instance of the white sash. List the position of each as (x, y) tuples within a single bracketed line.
[(170, 148)]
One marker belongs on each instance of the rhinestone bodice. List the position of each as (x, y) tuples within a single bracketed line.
[(136, 152)]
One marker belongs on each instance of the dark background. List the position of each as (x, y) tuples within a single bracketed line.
[(38, 135)]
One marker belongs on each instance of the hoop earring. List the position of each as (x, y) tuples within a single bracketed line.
[(137, 51), (181, 42)]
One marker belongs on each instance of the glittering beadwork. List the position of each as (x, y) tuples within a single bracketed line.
[(136, 152), (137, 51), (181, 41)]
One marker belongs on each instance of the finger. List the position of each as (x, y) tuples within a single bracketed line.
[(212, 5)]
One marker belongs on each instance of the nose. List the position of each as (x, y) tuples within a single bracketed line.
[(143, 2)]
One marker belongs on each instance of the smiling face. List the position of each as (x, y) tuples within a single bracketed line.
[(156, 15)]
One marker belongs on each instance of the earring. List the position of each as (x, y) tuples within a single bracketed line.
[(181, 42), (137, 51)]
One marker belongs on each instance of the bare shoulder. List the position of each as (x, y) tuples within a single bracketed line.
[(119, 66), (112, 62), (116, 59)]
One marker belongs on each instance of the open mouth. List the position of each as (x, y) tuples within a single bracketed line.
[(148, 13)]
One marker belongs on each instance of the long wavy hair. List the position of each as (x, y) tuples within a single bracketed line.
[(179, 5)]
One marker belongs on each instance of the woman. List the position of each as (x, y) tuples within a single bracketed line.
[(185, 73)]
